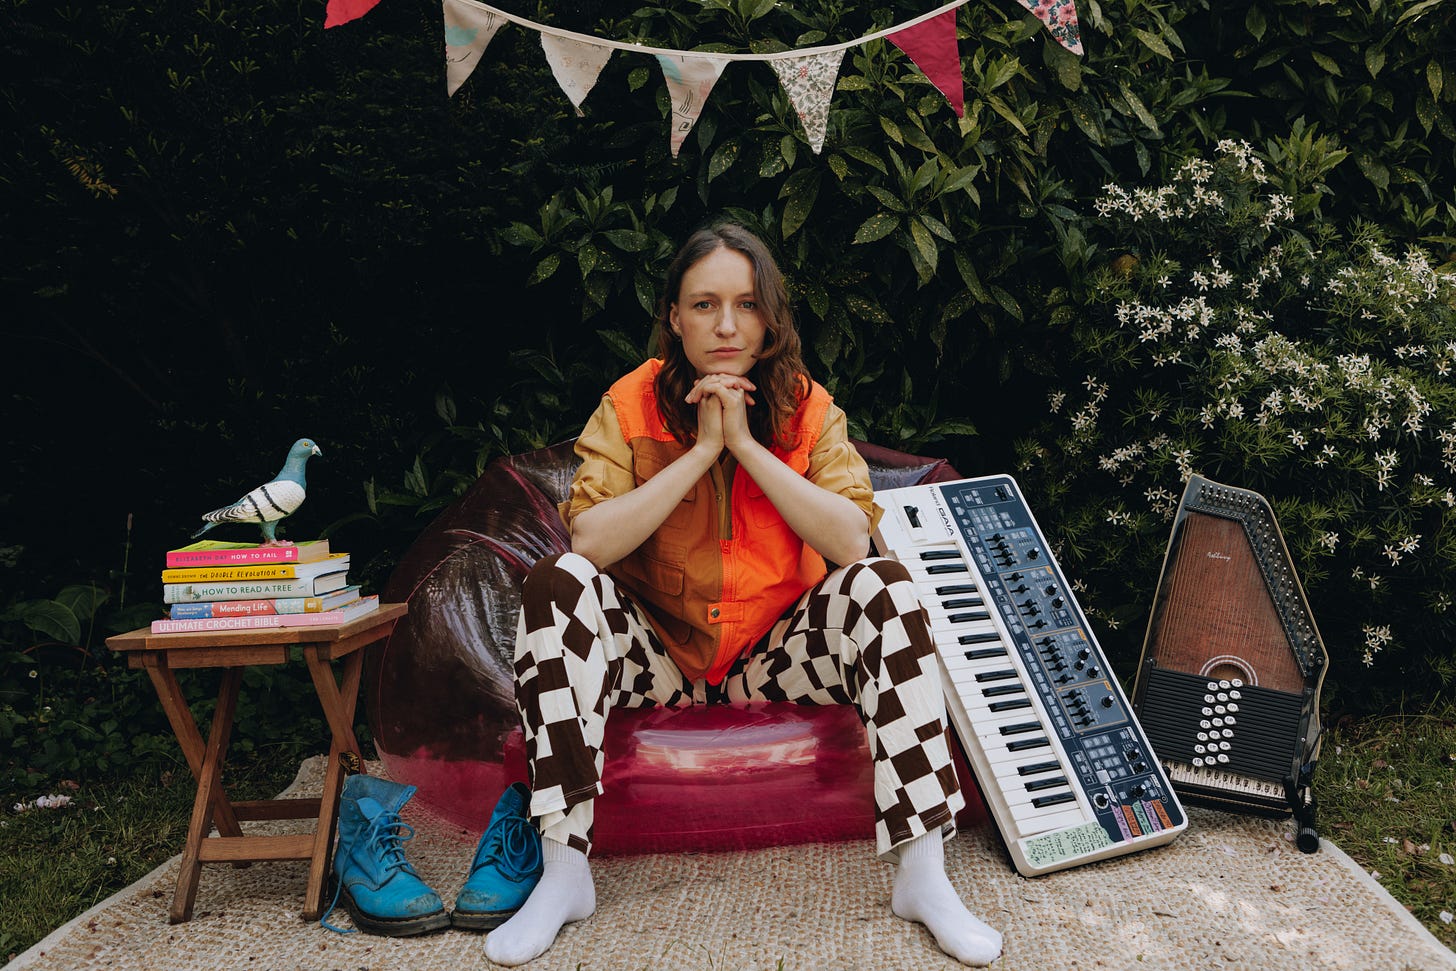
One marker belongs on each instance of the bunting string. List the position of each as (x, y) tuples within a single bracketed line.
[(808, 75), (623, 45)]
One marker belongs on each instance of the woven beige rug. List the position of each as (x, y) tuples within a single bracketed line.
[(1231, 893)]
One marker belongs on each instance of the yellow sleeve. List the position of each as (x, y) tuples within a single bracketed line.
[(606, 464), (834, 464)]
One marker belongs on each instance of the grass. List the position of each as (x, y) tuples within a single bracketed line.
[(1386, 788), (1387, 797), (57, 863)]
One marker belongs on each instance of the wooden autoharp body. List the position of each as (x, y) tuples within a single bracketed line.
[(1229, 682)]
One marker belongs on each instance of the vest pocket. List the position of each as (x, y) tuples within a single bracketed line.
[(658, 565), (761, 511), (645, 464), (657, 582)]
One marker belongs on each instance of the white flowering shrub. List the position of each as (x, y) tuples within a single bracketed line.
[(1227, 336)]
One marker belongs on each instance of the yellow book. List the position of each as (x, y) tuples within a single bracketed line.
[(333, 563)]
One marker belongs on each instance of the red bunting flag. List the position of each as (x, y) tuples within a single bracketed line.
[(931, 44), (342, 11)]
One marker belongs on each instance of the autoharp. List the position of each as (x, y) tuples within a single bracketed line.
[(1229, 682)]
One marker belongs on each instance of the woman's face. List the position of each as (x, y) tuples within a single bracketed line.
[(716, 314)]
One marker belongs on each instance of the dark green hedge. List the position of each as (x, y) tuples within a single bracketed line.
[(225, 228)]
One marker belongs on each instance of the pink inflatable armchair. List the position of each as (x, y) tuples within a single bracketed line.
[(441, 706)]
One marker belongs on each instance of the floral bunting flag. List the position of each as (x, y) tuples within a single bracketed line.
[(575, 64), (468, 30), (1060, 17), (689, 80), (809, 83), (931, 44)]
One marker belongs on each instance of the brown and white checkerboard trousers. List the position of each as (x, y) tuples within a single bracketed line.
[(857, 637)]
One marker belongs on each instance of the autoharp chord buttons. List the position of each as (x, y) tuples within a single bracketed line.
[(1216, 728)]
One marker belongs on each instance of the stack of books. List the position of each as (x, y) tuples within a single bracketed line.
[(226, 586)]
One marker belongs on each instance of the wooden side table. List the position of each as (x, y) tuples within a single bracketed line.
[(163, 654)]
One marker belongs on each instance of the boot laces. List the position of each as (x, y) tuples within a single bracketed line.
[(386, 838), (513, 845)]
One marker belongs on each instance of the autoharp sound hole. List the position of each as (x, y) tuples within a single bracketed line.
[(1227, 668)]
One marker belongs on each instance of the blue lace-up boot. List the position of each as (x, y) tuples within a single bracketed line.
[(507, 865), (380, 889)]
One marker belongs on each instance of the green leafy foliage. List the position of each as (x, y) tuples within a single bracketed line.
[(227, 228), (1239, 340)]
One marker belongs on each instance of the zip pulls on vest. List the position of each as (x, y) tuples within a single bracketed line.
[(720, 494)]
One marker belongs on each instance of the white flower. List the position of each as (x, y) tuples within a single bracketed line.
[(43, 802)]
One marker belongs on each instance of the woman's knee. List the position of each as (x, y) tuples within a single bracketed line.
[(873, 574), (551, 572), (556, 581)]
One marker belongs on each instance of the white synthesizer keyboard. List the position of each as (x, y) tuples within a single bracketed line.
[(1063, 765)]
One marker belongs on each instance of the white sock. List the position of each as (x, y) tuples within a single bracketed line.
[(923, 893), (565, 893)]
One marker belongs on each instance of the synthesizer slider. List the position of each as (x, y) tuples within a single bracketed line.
[(1063, 765)]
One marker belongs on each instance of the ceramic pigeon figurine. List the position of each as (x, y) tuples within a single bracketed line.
[(271, 501)]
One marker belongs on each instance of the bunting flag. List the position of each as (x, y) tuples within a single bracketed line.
[(1060, 18), (809, 83), (689, 82), (931, 44), (808, 75), (576, 65), (342, 11), (468, 31)]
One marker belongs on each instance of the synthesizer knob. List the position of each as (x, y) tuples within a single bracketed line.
[(1057, 602), (1084, 654), (1033, 553), (1092, 671), (1107, 701), (1138, 791)]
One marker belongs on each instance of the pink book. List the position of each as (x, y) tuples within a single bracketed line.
[(322, 619)]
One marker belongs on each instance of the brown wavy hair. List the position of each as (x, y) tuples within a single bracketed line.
[(779, 374)]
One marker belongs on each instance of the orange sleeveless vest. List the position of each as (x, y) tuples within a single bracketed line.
[(713, 581)]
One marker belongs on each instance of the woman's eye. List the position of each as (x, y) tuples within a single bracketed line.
[(749, 305), (703, 305)]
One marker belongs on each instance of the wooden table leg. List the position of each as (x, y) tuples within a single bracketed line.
[(174, 703), (339, 701), (209, 787)]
